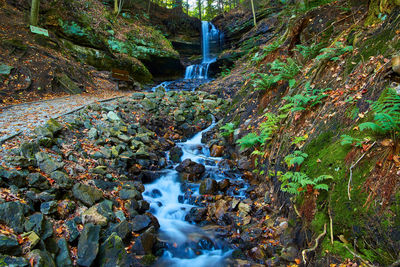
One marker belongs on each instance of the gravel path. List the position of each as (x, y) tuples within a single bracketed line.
[(23, 118)]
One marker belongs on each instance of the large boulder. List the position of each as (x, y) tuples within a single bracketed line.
[(191, 170)]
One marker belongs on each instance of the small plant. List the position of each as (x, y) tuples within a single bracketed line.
[(297, 157), (259, 56), (309, 52), (266, 129), (387, 115), (333, 53), (225, 71), (348, 140), (311, 97), (284, 71), (228, 129), (297, 182), (299, 139)]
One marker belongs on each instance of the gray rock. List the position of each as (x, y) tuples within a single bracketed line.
[(87, 194), (122, 229), (9, 245), (48, 207), (12, 214), (144, 244), (140, 222), (93, 216), (62, 179), (41, 258), (125, 194), (88, 245), (63, 258), (29, 149), (175, 154), (289, 254), (72, 229), (35, 223), (46, 163), (93, 133), (38, 181), (13, 261), (112, 116), (112, 252)]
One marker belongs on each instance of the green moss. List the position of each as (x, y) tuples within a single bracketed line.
[(148, 259), (337, 248)]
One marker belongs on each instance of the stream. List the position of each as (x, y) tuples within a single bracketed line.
[(171, 199)]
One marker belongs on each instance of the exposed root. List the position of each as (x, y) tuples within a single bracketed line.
[(304, 252)]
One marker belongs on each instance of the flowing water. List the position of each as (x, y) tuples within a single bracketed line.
[(187, 244), (197, 74), (211, 39)]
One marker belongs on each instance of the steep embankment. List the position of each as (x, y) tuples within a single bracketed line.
[(83, 35), (294, 125)]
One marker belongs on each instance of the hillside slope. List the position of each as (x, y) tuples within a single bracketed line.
[(295, 123)]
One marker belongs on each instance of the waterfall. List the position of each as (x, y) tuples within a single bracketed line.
[(211, 40)]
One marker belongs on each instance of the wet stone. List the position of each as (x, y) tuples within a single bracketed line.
[(8, 245), (88, 245), (41, 258), (36, 180), (48, 207), (112, 252), (140, 222), (72, 229), (12, 214)]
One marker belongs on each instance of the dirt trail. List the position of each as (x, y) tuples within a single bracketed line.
[(23, 118)]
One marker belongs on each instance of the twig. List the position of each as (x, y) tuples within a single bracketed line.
[(303, 253), (351, 170), (330, 214), (358, 256)]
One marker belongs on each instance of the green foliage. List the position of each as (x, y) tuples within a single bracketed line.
[(348, 140), (297, 157), (228, 129), (309, 52), (225, 71), (259, 56), (266, 129), (283, 71), (299, 139), (309, 98), (249, 140), (387, 115), (296, 182), (333, 53)]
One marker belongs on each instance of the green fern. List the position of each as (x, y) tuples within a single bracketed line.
[(333, 53), (349, 140), (309, 98), (295, 182), (309, 52), (297, 157), (249, 140), (228, 129), (387, 115)]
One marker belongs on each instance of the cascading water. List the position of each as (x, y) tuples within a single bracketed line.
[(211, 39), (187, 244)]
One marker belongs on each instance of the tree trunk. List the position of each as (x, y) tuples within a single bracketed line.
[(199, 6), (254, 13), (34, 12), (116, 7)]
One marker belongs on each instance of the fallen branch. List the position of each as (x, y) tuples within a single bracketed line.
[(4, 139), (366, 263), (351, 170), (304, 252)]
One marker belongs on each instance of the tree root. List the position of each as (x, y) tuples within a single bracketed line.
[(304, 252)]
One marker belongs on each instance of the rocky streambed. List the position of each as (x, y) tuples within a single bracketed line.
[(88, 190)]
